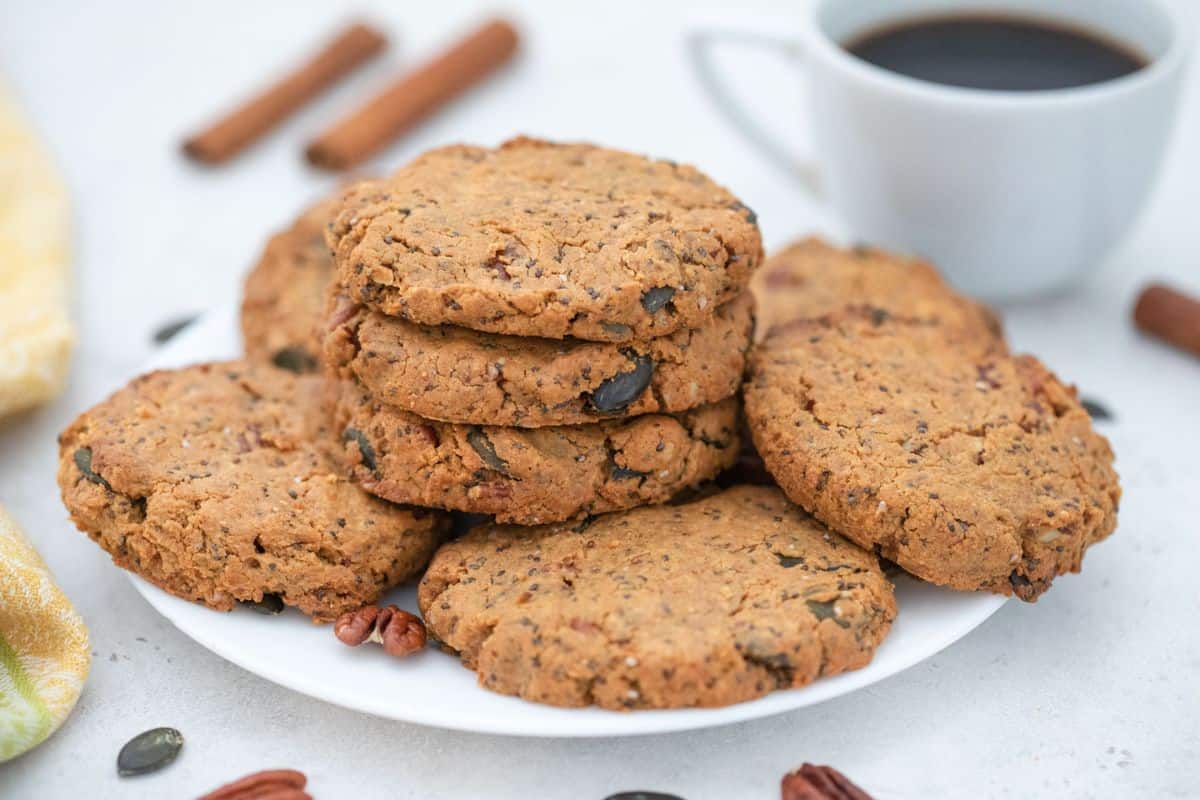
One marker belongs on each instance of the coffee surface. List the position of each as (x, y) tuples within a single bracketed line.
[(996, 53)]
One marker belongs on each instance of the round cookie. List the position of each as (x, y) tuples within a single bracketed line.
[(285, 293), (969, 469), (714, 602), (810, 279), (458, 375), (215, 483), (531, 476), (549, 240)]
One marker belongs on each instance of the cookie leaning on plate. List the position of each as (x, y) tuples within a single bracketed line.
[(971, 469), (458, 375), (811, 278), (285, 293), (541, 239), (214, 482), (714, 602), (531, 476)]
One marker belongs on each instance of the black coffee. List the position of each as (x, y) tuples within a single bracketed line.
[(998, 53)]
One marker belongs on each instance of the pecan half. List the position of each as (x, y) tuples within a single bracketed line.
[(355, 627), (813, 782), (400, 632), (278, 784)]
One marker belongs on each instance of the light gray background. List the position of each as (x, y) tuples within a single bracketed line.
[(1093, 692)]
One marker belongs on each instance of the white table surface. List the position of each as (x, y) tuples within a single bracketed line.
[(1093, 692)]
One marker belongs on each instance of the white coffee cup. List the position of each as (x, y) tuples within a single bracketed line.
[(1011, 194)]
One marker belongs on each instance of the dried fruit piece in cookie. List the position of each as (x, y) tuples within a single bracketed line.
[(811, 278), (969, 469), (537, 475), (541, 239), (215, 483), (704, 604), (285, 293), (459, 375)]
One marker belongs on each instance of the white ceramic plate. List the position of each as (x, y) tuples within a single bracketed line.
[(434, 689)]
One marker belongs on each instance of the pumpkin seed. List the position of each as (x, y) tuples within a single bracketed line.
[(616, 329), (643, 796), (83, 460), (1095, 409), (825, 611), (364, 447), (149, 751), (751, 217), (486, 451), (624, 473), (169, 330), (616, 393), (270, 604), (294, 359), (656, 298)]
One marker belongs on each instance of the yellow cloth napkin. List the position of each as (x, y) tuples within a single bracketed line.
[(44, 653), (36, 335)]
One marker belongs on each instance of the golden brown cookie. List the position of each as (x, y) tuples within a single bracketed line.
[(285, 293), (214, 482), (714, 602), (459, 375), (531, 476), (811, 278), (542, 239), (969, 469)]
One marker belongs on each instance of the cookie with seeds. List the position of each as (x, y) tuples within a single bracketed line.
[(709, 603), (284, 294), (531, 476), (811, 278), (215, 483), (541, 239), (968, 468), (455, 374)]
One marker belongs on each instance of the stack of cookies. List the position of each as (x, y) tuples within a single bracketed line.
[(540, 331), (556, 336)]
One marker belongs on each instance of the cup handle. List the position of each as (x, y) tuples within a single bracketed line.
[(699, 41)]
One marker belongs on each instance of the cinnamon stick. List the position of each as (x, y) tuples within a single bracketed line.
[(1170, 315), (412, 98), (350, 49)]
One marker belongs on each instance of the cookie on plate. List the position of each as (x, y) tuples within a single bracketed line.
[(285, 293), (531, 476), (811, 278), (541, 239), (213, 483), (458, 375), (714, 602), (969, 469)]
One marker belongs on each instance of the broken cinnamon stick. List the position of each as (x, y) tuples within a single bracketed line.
[(413, 97), (1170, 315), (351, 48)]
